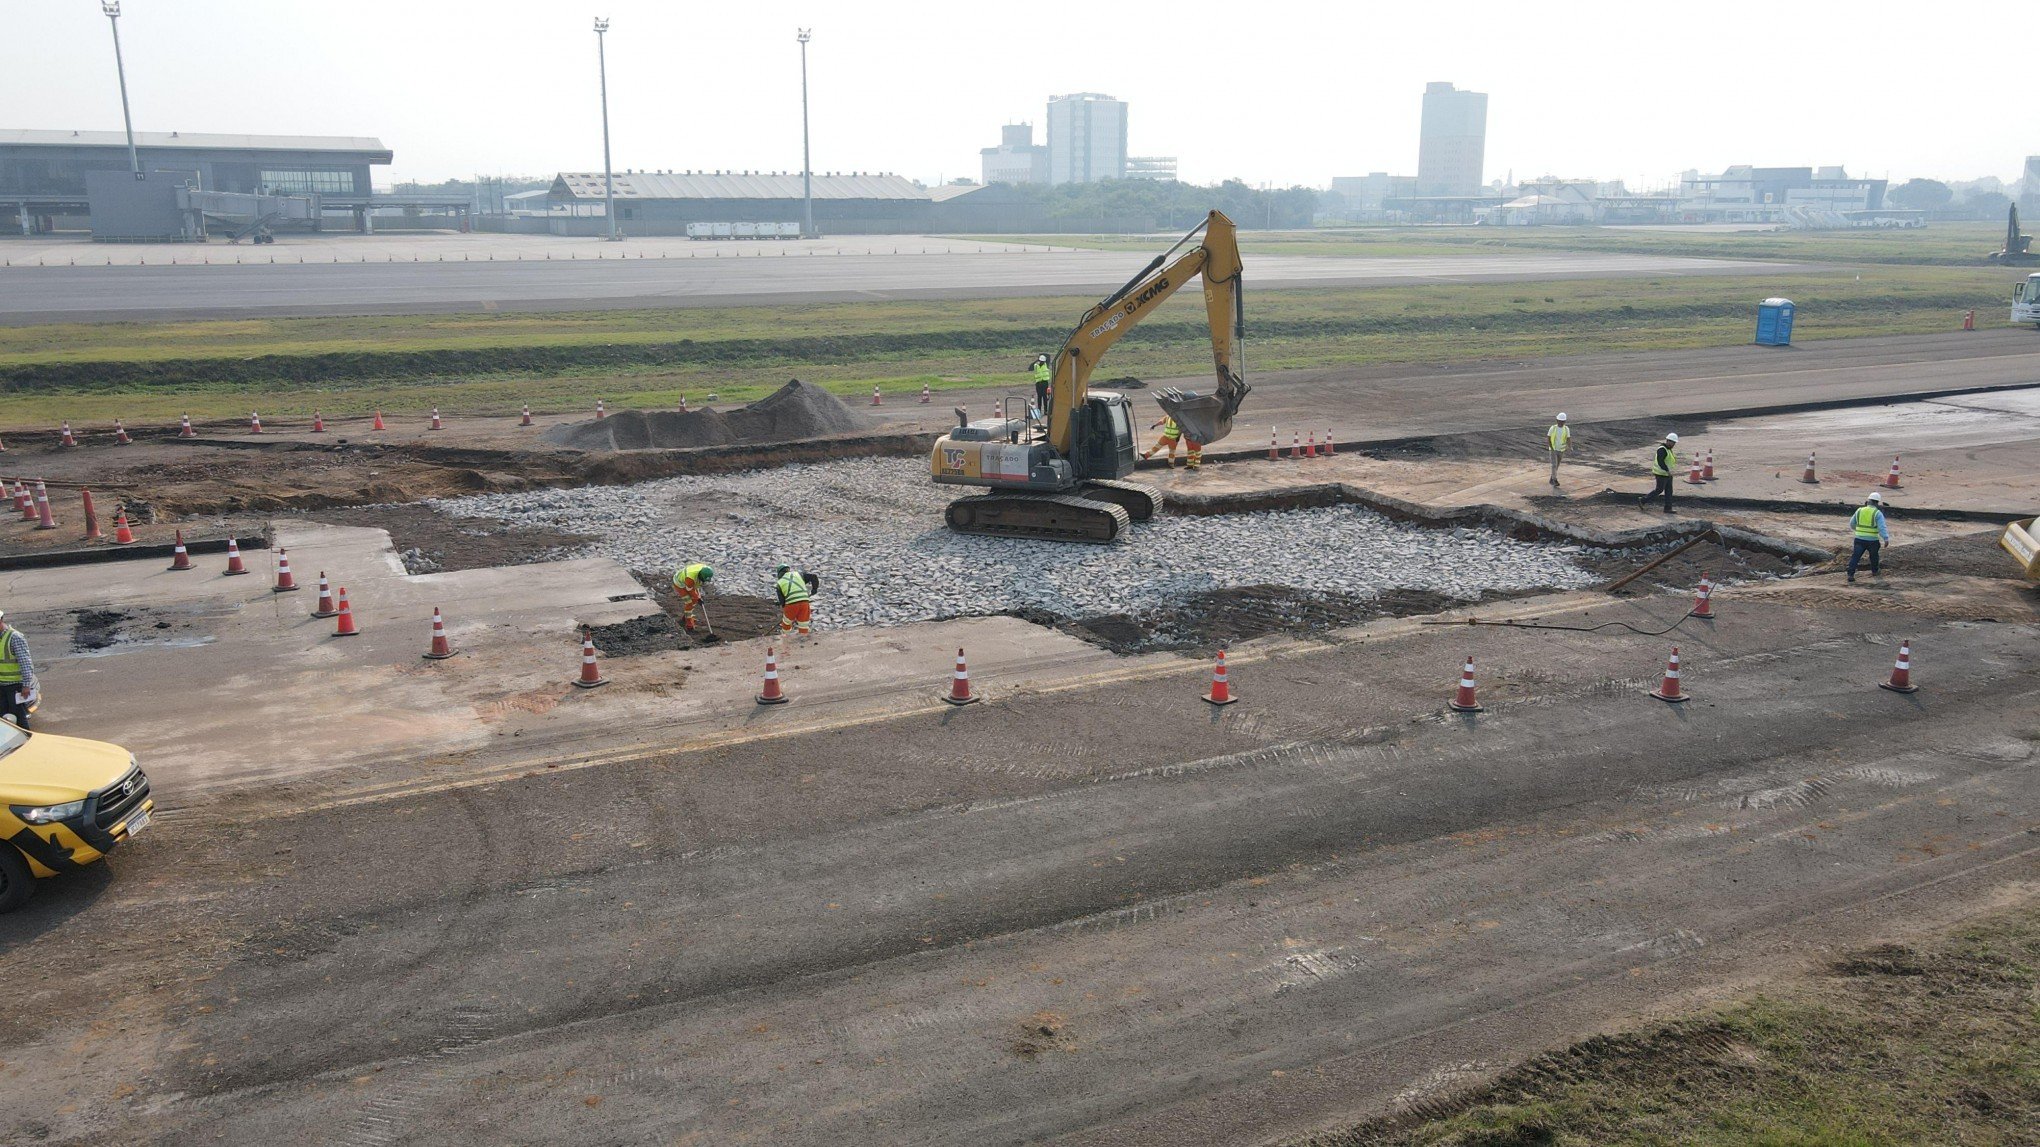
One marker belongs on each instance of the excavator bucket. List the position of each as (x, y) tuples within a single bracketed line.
[(1205, 418)]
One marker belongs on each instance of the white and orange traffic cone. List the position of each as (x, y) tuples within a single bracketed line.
[(1707, 467), (769, 693), (1328, 451), (925, 396), (1274, 446), (683, 404), (591, 674), (1891, 479), (318, 423), (1807, 476), (1310, 445), (122, 534), (378, 423), (180, 559), (184, 429), (326, 606), (254, 423), (959, 684), (284, 582), (24, 501), (1901, 673), (435, 419), (43, 519), (875, 399), (345, 626), (1703, 600), (1693, 475), (599, 411), (234, 564), (1295, 445), (1221, 689), (441, 648), (1463, 698), (120, 435), (525, 420), (65, 437), (1669, 690), (1969, 320)]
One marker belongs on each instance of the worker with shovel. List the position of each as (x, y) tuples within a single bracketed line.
[(795, 590), (688, 583)]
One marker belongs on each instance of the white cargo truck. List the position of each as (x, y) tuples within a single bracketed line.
[(2026, 301)]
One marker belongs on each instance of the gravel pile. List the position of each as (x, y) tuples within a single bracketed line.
[(794, 411), (872, 530)]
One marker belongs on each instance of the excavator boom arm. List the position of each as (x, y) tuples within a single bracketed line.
[(1217, 260)]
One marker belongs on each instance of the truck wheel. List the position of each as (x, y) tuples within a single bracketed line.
[(17, 884)]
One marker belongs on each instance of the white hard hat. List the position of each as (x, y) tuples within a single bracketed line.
[(1874, 496), (1561, 416), (1671, 437)]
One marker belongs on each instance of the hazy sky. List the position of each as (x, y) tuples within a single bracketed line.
[(1278, 91)]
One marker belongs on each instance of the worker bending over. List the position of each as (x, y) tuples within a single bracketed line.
[(1171, 433), (688, 583), (17, 674), (1559, 438), (1664, 462), (795, 590), (1868, 525)]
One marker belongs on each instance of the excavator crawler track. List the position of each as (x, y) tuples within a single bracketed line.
[(1140, 502), (1050, 517)]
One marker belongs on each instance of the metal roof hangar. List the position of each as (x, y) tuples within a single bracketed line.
[(665, 202)]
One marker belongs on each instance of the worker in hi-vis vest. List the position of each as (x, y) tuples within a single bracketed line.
[(1043, 375), (1559, 439), (17, 674), (795, 590), (1664, 462), (688, 583), (1867, 523)]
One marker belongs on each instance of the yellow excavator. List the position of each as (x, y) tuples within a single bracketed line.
[(1059, 478)]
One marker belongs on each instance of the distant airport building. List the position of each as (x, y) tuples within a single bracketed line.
[(665, 202), (1452, 148), (1746, 194), (46, 178), (1151, 167), (1086, 138), (1363, 196), (1017, 159)]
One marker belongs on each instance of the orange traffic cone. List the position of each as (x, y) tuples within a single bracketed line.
[(1274, 446), (1310, 445), (345, 626), (599, 412), (184, 429), (1969, 320), (769, 693), (959, 684), (441, 648), (1891, 479), (1669, 691), (3, 447), (318, 423), (924, 394), (326, 606), (1703, 600), (92, 533), (591, 676), (24, 501), (1808, 476), (254, 423), (1221, 690), (1463, 700), (234, 565), (1328, 451), (67, 439), (1707, 468), (122, 535), (1295, 445), (378, 423), (120, 435), (875, 399), (526, 419), (43, 519), (284, 582), (1901, 673), (435, 419), (1693, 475), (683, 404), (179, 559)]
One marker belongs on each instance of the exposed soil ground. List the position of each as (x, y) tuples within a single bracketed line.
[(1226, 618), (450, 543), (794, 411)]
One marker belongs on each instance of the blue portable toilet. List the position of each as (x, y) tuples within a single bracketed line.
[(1774, 322)]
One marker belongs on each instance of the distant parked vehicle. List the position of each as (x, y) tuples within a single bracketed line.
[(2026, 302)]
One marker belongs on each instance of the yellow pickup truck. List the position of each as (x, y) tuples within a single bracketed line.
[(64, 803), (2022, 542)]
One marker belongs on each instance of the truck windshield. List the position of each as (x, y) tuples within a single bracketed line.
[(11, 738)]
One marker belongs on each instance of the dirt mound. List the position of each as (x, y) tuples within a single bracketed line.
[(794, 411)]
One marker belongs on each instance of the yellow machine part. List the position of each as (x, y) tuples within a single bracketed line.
[(2020, 541)]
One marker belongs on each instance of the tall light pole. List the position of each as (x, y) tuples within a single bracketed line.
[(112, 10), (807, 173), (608, 178)]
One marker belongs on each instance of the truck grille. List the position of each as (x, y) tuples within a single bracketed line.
[(117, 800)]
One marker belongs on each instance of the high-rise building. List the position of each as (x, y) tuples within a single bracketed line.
[(1086, 138), (1017, 159), (2029, 186), (1453, 147)]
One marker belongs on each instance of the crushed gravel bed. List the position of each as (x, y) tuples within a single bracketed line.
[(872, 530)]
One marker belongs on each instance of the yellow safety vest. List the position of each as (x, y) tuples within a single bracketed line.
[(689, 574), (1170, 429), (10, 667), (792, 588), (1560, 436), (1042, 373), (1866, 522), (1664, 462)]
